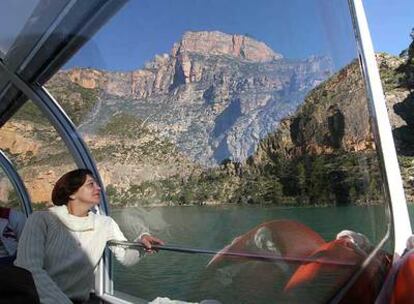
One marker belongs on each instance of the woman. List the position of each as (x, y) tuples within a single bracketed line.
[(61, 247)]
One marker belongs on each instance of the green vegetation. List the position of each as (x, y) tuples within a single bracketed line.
[(77, 101), (324, 180), (52, 159), (407, 171), (391, 78), (175, 190), (13, 201), (124, 125), (318, 180), (30, 112), (38, 206), (403, 76), (310, 166), (409, 67), (153, 149)]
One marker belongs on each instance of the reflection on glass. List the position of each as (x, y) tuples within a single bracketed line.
[(245, 115), (8, 195), (255, 274), (14, 15), (37, 151)]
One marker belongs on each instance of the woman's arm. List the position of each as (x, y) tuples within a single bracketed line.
[(30, 255), (125, 256)]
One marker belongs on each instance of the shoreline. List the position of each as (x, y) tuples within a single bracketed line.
[(228, 205)]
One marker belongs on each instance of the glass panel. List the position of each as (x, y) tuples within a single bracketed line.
[(397, 75), (240, 129), (37, 151), (8, 195), (12, 219), (14, 15)]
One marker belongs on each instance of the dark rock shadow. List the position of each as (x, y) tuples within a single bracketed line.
[(404, 136)]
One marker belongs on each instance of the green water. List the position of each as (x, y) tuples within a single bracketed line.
[(185, 277)]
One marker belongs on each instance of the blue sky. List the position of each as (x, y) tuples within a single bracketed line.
[(147, 27), (390, 23), (144, 28)]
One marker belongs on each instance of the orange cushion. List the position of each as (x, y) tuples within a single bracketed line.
[(320, 280), (404, 283)]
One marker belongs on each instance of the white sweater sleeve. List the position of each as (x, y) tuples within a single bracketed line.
[(125, 256), (30, 255)]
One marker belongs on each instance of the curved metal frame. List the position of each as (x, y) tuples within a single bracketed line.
[(16, 181), (19, 71), (67, 130), (63, 124), (382, 128)]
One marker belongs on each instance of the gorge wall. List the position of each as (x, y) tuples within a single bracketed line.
[(225, 120)]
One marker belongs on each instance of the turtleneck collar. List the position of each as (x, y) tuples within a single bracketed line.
[(72, 222)]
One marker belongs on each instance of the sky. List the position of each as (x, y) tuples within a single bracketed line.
[(146, 27), (390, 23), (14, 14)]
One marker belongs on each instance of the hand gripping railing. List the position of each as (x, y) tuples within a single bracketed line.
[(261, 257)]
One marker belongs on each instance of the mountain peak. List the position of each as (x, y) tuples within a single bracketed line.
[(218, 43)]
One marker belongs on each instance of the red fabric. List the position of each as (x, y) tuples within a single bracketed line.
[(336, 250), (330, 278), (247, 280), (301, 282), (403, 288), (293, 239)]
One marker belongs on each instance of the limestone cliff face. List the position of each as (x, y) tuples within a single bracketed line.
[(180, 67), (333, 115), (28, 144), (16, 139), (333, 120), (87, 78), (223, 91), (40, 183), (218, 43), (147, 129)]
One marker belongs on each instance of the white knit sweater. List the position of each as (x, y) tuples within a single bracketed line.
[(62, 251)]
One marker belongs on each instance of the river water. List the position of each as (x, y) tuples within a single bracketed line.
[(185, 276)]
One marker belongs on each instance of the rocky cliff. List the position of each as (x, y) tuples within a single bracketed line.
[(170, 70), (332, 122), (283, 132), (224, 92), (332, 118)]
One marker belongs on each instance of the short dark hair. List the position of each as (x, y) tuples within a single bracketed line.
[(68, 184)]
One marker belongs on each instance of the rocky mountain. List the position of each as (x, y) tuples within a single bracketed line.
[(332, 118), (227, 120), (331, 130), (214, 96)]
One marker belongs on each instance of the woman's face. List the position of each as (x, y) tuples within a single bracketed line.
[(89, 192)]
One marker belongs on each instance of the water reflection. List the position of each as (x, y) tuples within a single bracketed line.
[(188, 276)]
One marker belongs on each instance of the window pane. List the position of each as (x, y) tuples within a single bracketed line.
[(37, 151), (14, 15), (8, 195), (236, 130)]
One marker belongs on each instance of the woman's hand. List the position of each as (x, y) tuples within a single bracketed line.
[(149, 241)]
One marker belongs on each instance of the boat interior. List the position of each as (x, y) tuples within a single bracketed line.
[(223, 117)]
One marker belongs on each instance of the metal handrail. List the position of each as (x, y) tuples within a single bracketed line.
[(262, 257)]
